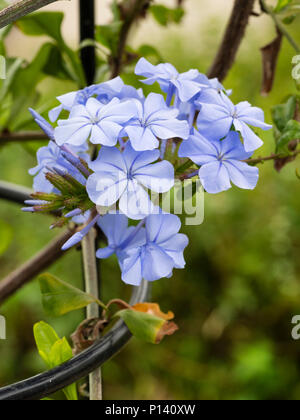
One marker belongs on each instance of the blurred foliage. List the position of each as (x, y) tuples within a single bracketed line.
[(234, 302)]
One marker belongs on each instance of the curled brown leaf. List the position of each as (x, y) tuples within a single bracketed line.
[(270, 55)]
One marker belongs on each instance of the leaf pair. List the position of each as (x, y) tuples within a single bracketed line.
[(165, 15), (54, 352)]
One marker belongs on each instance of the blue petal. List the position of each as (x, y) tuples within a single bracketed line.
[(199, 149), (104, 253), (105, 188), (75, 133), (253, 116), (174, 247), (156, 263), (214, 121), (135, 201), (241, 174), (115, 227), (251, 141), (132, 268), (170, 128), (232, 147), (214, 177), (142, 138), (187, 89), (136, 160), (109, 156), (162, 227), (158, 177)]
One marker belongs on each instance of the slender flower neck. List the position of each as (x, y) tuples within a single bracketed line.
[(170, 94)]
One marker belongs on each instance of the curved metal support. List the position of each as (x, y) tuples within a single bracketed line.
[(80, 366), (15, 193)]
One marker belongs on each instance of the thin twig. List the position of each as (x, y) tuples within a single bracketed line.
[(132, 11), (17, 279), (274, 156), (233, 37), (22, 136), (91, 286), (280, 26), (22, 8)]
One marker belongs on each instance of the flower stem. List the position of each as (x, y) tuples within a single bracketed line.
[(91, 285)]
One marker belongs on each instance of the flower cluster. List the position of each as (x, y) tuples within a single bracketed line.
[(139, 143)]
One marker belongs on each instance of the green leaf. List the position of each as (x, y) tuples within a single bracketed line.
[(291, 132), (146, 326), (149, 51), (24, 86), (60, 353), (108, 35), (282, 4), (164, 15), (283, 113), (45, 338), (55, 65), (60, 298), (12, 68), (3, 34), (6, 236), (49, 23), (142, 325), (42, 23), (54, 352)]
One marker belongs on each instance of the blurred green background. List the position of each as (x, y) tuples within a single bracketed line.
[(235, 300)]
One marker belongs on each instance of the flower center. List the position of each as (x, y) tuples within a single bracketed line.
[(221, 157)]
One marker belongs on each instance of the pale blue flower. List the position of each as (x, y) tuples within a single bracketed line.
[(99, 122), (119, 236), (104, 92), (123, 177), (221, 162), (161, 253), (169, 78), (154, 121), (216, 120)]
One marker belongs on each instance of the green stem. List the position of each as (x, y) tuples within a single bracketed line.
[(280, 25), (91, 285)]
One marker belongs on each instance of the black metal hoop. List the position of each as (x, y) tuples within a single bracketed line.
[(80, 366)]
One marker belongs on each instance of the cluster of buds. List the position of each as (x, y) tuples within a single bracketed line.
[(70, 198)]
